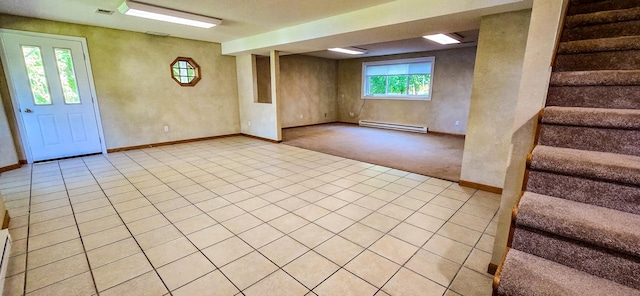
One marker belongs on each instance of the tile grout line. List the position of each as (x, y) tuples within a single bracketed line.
[(237, 235), (334, 211), (28, 230), (472, 248), (74, 217), (26, 261), (163, 214), (289, 165), (372, 243), (132, 236), (185, 236), (86, 256), (255, 249), (422, 246), (333, 234), (125, 177), (288, 235)]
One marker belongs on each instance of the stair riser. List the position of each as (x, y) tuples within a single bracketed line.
[(617, 267), (602, 6), (630, 28), (593, 139), (604, 194), (611, 97), (615, 60)]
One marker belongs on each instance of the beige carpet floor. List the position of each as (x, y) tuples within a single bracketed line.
[(432, 155)]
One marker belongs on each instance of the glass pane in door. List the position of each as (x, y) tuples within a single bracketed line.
[(67, 76), (37, 78)]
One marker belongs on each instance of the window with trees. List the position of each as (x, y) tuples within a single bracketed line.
[(185, 71), (407, 79)]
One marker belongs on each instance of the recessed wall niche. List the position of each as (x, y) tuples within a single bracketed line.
[(263, 79)]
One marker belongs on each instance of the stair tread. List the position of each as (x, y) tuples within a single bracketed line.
[(614, 97), (602, 17), (592, 117), (526, 274), (613, 167), (600, 45), (604, 227), (601, 77), (583, 7)]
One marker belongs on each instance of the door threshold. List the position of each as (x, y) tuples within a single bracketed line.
[(67, 157)]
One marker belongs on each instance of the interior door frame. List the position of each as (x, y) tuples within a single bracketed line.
[(13, 93)]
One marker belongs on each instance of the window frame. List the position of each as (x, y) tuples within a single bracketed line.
[(365, 84), (193, 65)]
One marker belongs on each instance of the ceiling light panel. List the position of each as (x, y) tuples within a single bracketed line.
[(442, 39), (349, 50), (143, 10)]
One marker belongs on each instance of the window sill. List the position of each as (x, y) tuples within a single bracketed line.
[(396, 98)]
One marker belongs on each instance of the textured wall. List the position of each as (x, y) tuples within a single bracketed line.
[(8, 154), (307, 88), (545, 26), (9, 115), (494, 96), (256, 119), (136, 94), (452, 79)]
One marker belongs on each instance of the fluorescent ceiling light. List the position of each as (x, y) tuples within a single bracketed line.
[(349, 50), (442, 39), (167, 15)]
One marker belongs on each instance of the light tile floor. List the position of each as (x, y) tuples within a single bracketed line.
[(238, 216)]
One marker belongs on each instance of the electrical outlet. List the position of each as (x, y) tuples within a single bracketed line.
[(351, 114), (301, 116), (457, 122), (166, 128), (249, 123)]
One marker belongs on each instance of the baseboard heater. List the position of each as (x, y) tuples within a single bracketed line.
[(394, 126)]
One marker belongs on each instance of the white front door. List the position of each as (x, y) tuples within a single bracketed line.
[(50, 83)]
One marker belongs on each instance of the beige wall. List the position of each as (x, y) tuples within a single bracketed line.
[(307, 90), (544, 27), (452, 79), (256, 119), (8, 154), (10, 116), (496, 81), (136, 94)]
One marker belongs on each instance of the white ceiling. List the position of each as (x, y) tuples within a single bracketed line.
[(241, 18), (249, 22)]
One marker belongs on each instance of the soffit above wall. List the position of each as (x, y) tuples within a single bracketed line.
[(290, 26), (419, 44)]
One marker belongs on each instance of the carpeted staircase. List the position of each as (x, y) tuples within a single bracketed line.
[(576, 229)]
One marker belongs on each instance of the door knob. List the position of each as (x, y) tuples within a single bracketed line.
[(28, 111)]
